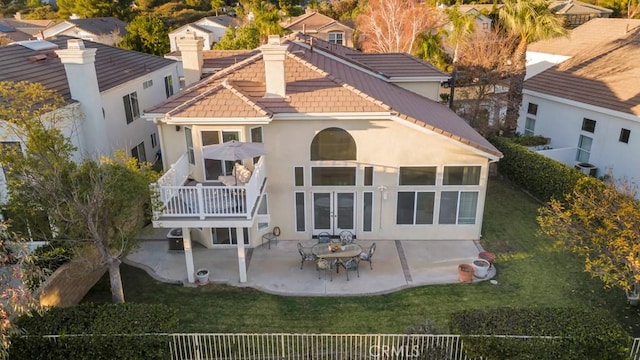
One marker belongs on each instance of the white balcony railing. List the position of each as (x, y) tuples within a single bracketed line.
[(177, 199)]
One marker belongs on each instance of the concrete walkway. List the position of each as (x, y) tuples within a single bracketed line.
[(396, 265)]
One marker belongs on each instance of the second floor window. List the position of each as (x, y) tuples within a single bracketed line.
[(588, 125), (131, 108), (336, 38), (168, 85)]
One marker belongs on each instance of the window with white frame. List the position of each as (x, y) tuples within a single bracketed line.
[(458, 207), (417, 175), (131, 108), (367, 211), (298, 176), (336, 37), (461, 175), (190, 152), (584, 148), (300, 214), (256, 137), (147, 84), (154, 140), (139, 153), (168, 85), (415, 207), (529, 126), (532, 109), (368, 176)]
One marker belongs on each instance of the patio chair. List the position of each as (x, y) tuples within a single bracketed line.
[(306, 255), (368, 255), (273, 235), (326, 266), (350, 264), (324, 238), (346, 237)]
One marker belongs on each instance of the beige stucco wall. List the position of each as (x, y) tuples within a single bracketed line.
[(428, 89), (383, 144)]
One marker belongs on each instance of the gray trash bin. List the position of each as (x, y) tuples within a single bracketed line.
[(174, 236)]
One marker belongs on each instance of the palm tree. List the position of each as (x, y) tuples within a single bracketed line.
[(462, 26), (527, 21)]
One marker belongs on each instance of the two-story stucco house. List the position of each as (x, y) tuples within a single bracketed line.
[(322, 27), (211, 29), (345, 149), (105, 30), (588, 105), (105, 89)]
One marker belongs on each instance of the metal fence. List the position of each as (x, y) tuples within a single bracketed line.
[(316, 346)]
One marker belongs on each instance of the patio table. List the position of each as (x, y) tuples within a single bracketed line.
[(344, 251)]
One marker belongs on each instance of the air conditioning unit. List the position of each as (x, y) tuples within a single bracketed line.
[(587, 168)]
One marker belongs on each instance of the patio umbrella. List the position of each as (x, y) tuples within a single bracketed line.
[(233, 150)]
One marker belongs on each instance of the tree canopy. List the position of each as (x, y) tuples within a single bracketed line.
[(146, 34)]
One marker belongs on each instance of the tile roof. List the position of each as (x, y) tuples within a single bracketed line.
[(606, 76), (27, 26), (220, 59), (312, 21), (586, 37), (114, 66), (390, 65), (224, 20), (317, 83), (101, 25), (572, 7)]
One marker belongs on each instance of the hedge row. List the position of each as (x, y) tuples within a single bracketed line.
[(572, 333), (541, 176), (112, 327)]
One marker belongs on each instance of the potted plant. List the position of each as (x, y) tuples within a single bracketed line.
[(481, 267), (465, 272), (203, 276)]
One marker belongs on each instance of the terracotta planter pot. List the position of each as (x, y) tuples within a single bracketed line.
[(490, 257), (465, 272)]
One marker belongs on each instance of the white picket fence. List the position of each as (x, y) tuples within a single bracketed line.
[(195, 346)]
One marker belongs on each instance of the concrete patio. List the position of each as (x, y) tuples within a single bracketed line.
[(396, 265)]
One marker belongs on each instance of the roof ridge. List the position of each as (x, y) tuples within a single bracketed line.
[(244, 97), (302, 17), (341, 82)]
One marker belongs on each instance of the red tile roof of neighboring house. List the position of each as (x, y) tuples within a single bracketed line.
[(586, 37), (312, 21), (114, 66), (607, 76), (317, 82)]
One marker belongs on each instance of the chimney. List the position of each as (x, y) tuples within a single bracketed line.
[(79, 66), (273, 55), (190, 48)]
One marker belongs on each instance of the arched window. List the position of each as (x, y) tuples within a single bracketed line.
[(333, 144)]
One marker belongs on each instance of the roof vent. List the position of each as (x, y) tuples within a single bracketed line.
[(36, 58)]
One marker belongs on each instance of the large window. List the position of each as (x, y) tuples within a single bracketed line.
[(461, 175), (131, 108), (228, 236), (336, 38), (415, 207), (333, 176), (584, 148), (168, 85), (417, 175), (458, 207), (333, 144), (214, 167), (588, 125)]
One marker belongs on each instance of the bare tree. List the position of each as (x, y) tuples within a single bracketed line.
[(393, 25)]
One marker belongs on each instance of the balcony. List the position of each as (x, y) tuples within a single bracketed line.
[(175, 197)]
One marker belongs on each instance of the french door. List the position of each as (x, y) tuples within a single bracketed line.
[(334, 212)]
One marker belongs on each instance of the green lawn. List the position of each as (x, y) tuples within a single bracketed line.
[(532, 271)]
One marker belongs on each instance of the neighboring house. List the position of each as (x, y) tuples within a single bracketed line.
[(589, 106), (346, 149), (322, 27), (542, 55), (16, 29), (104, 30), (577, 13), (210, 28), (105, 89), (483, 23)]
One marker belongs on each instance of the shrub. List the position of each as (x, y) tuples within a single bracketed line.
[(123, 325), (572, 333), (46, 260), (541, 176), (531, 140)]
